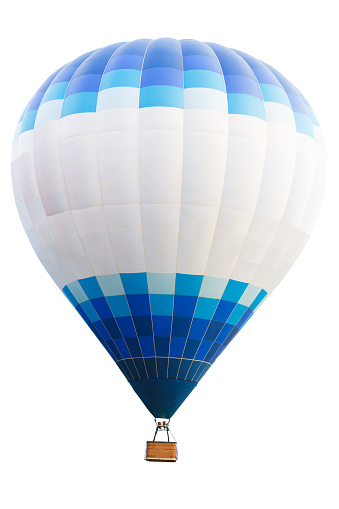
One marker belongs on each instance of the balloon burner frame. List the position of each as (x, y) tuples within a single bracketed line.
[(161, 451)]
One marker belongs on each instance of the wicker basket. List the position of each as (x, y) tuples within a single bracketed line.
[(161, 451)]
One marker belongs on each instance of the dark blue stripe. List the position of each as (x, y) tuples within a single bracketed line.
[(163, 53), (124, 62), (206, 63), (193, 47), (242, 85), (231, 62), (84, 83), (162, 76), (96, 63)]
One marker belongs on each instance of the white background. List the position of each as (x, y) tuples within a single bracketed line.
[(261, 429)]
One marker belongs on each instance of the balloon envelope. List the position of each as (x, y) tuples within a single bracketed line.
[(167, 187)]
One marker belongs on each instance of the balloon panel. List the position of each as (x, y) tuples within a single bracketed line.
[(167, 187)]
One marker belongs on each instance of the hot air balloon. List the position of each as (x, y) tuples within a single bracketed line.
[(167, 187)]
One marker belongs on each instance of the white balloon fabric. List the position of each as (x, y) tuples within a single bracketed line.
[(167, 187)]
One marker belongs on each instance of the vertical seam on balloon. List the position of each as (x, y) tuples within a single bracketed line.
[(142, 226), (245, 236), (221, 195), (109, 236), (264, 159), (273, 71), (51, 83), (63, 177), (264, 166), (50, 260), (76, 279), (203, 372), (35, 174), (71, 211), (263, 284), (38, 106), (299, 94), (71, 79), (33, 225), (103, 209), (180, 205), (267, 278), (212, 343)]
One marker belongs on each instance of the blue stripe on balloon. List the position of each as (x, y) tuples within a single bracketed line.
[(242, 85), (55, 91), (265, 77), (78, 292), (120, 343), (134, 284), (49, 80), (121, 78), (244, 104), (164, 52), (84, 83), (35, 101), (70, 296), (285, 83), (161, 305), (139, 304), (91, 287), (97, 62), (79, 103), (231, 63), (298, 104), (262, 294), (147, 346), (234, 290), (162, 76), (272, 93), (224, 333), (199, 327), (161, 283), (111, 285), (312, 116), (236, 314), (212, 287), (177, 347), (248, 313), (65, 74), (124, 62), (204, 79), (201, 62), (193, 47), (182, 340), (188, 284), (89, 310), (202, 350), (137, 47), (160, 95), (251, 61), (205, 308), (118, 305), (303, 124), (162, 324), (28, 121)]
